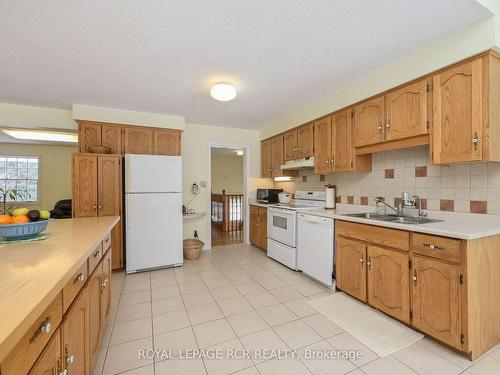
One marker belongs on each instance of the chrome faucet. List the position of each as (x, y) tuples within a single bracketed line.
[(418, 203), (398, 210)]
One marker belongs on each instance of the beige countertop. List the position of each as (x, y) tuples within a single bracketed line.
[(457, 225), (33, 273), (255, 202)]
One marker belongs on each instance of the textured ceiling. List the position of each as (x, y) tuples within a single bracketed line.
[(162, 56)]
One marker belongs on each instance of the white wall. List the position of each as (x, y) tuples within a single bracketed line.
[(227, 173)]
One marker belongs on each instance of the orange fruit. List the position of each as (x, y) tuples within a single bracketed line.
[(5, 219), (20, 219)]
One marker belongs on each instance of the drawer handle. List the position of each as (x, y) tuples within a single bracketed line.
[(414, 278), (104, 284), (80, 278), (96, 254), (433, 247), (45, 327)]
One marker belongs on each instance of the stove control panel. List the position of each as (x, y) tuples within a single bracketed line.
[(311, 195)]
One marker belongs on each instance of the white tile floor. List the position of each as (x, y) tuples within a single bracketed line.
[(233, 298)]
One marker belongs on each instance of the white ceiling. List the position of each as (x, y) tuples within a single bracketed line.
[(162, 56)]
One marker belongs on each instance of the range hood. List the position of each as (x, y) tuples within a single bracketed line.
[(302, 163)]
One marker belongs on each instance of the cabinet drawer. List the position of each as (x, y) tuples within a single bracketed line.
[(262, 211), (436, 247), (254, 210), (74, 285), (106, 242), (26, 352), (95, 257), (395, 238)]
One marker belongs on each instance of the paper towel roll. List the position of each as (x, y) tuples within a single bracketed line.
[(330, 197)]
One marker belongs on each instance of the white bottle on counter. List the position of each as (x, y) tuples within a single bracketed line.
[(330, 196)]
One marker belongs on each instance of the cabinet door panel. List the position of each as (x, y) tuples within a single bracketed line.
[(342, 141), (49, 361), (138, 140), (167, 142), (117, 246), (458, 113), (95, 323), (84, 185), (388, 282), (89, 134), (290, 145), (266, 167), (351, 267), (368, 122), (254, 230), (406, 110), (106, 286), (305, 141), (263, 231), (75, 336), (112, 138), (277, 153), (322, 145), (109, 182), (436, 299)]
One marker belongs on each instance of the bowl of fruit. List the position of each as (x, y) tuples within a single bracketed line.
[(23, 224)]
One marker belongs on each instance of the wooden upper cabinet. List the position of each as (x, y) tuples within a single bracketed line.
[(436, 299), (277, 154), (388, 282), (138, 140), (167, 142), (266, 166), (322, 146), (49, 361), (84, 185), (351, 267), (89, 134), (406, 111), (305, 140), (290, 145), (368, 122), (111, 136), (75, 340), (109, 185), (342, 141), (458, 113)]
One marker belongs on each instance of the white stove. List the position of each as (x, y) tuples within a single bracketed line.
[(282, 225)]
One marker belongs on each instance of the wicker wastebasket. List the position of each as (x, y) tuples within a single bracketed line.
[(192, 248)]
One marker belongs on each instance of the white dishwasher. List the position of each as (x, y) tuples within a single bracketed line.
[(316, 247)]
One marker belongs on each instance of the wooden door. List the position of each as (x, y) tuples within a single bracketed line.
[(342, 150), (266, 167), (75, 330), (436, 299), (109, 184), (95, 323), (138, 140), (49, 362), (106, 286), (368, 122), (277, 154), (458, 116), (290, 145), (84, 185), (117, 246), (167, 142), (351, 267), (89, 134), (388, 282), (322, 145), (305, 140), (406, 111), (112, 137)]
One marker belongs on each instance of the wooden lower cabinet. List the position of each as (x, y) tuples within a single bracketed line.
[(436, 299), (50, 361), (94, 288), (106, 285), (388, 282), (258, 226), (351, 267), (75, 336)]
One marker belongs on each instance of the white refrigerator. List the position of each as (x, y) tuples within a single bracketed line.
[(153, 212)]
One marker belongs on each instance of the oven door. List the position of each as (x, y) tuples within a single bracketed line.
[(281, 225)]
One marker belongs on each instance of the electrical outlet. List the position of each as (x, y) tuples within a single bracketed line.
[(203, 184)]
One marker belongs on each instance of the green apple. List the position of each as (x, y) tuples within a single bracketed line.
[(20, 211), (44, 214)]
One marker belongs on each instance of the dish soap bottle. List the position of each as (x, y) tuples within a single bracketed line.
[(380, 205)]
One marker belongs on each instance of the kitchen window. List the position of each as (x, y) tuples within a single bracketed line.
[(21, 173)]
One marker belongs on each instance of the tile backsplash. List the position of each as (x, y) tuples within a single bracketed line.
[(471, 187)]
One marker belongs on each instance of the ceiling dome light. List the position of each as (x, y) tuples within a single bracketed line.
[(223, 92), (239, 153)]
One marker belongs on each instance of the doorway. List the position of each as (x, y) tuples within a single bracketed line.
[(227, 184)]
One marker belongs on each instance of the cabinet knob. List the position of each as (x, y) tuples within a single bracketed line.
[(361, 260), (414, 278), (388, 125), (80, 278), (328, 162), (70, 359), (95, 206), (475, 141), (46, 327)]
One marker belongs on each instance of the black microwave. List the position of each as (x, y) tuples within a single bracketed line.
[(268, 195)]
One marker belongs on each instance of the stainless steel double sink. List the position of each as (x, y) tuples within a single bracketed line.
[(394, 218)]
